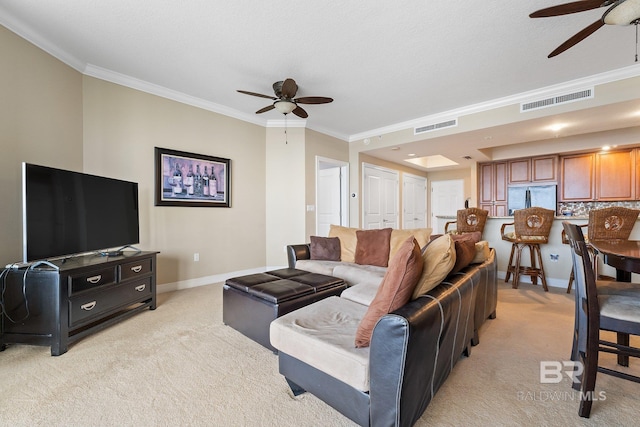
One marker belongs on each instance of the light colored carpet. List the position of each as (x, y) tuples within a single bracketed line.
[(179, 365)]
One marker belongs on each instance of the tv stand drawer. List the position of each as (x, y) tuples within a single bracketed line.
[(135, 269), (92, 279), (96, 304)]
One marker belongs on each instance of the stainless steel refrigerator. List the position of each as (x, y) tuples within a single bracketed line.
[(523, 196)]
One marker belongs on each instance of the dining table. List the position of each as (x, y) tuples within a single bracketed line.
[(623, 255)]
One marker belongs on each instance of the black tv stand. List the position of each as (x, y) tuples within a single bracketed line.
[(118, 252), (63, 301)]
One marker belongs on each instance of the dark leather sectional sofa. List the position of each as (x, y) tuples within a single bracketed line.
[(412, 351)]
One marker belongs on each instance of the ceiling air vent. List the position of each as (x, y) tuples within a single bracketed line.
[(557, 100), (436, 126)]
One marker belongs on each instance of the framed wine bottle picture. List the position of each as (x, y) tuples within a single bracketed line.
[(189, 179)]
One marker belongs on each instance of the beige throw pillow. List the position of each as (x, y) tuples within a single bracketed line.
[(348, 241), (439, 258), (398, 237), (482, 252)]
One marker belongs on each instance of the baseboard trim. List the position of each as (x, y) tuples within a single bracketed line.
[(208, 280), (554, 282)]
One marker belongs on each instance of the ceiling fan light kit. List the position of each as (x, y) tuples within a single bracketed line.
[(284, 107), (619, 12)]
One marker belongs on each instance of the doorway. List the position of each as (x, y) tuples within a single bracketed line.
[(332, 190), (446, 198), (414, 201)]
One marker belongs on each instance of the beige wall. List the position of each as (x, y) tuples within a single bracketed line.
[(40, 122), (121, 128), (285, 187)]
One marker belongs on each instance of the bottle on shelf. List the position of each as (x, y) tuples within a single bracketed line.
[(205, 182), (188, 181), (197, 182), (213, 183), (176, 180)]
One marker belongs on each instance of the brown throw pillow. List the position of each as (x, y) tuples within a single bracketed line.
[(474, 236), (372, 247), (395, 290), (325, 248), (465, 253)]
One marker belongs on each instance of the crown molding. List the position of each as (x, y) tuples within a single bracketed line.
[(33, 37), (141, 85)]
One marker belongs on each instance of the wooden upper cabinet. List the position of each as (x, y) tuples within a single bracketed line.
[(519, 171), (577, 177), (615, 175), (544, 169), (492, 188)]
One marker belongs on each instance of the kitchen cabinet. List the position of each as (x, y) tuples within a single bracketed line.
[(533, 170), (615, 175), (577, 177), (492, 194), (544, 169), (606, 176), (519, 171)]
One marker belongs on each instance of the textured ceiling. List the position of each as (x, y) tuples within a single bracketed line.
[(383, 62)]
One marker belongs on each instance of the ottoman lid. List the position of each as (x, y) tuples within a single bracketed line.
[(287, 273), (280, 290), (318, 281), (244, 283)]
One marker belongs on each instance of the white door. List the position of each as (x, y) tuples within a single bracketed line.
[(446, 198), (379, 198), (331, 194), (414, 201)]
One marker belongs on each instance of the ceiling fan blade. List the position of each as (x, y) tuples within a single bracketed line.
[(299, 111), (267, 108), (313, 100), (289, 88), (567, 8), (586, 32), (257, 94)]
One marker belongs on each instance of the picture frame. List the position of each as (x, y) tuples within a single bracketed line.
[(190, 179)]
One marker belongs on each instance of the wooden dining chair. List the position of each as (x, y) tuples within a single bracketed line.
[(595, 311), (565, 241)]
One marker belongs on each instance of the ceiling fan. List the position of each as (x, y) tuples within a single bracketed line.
[(284, 100), (621, 12)]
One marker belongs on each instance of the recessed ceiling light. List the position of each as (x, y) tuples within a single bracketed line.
[(411, 154), (556, 127), (606, 147), (395, 148)]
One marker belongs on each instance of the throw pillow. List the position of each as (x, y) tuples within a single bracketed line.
[(474, 236), (482, 252), (465, 252), (372, 247), (439, 258), (348, 241), (325, 248), (399, 236), (394, 291)]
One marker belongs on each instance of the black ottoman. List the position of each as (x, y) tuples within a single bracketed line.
[(250, 303)]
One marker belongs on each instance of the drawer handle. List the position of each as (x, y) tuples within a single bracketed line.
[(141, 288), (88, 306), (136, 269), (94, 279)]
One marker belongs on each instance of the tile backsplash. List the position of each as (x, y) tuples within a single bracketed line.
[(583, 208)]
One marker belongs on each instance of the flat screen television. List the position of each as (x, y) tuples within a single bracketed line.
[(67, 213)]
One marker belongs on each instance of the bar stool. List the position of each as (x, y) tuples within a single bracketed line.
[(468, 221), (531, 229), (613, 223)]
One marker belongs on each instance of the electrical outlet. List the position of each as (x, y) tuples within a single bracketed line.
[(196, 257), (554, 257)]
